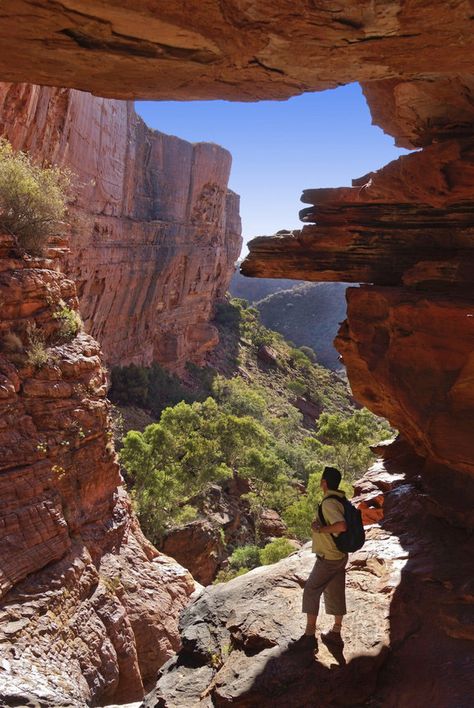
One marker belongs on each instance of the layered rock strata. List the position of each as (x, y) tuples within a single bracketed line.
[(408, 341), (155, 231), (88, 607), (406, 636)]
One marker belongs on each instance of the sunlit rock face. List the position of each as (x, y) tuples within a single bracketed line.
[(89, 608), (237, 49), (155, 231)]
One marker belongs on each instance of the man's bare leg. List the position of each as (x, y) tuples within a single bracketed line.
[(337, 623), (311, 624)]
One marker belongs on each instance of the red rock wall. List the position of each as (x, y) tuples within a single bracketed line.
[(89, 608), (155, 231)]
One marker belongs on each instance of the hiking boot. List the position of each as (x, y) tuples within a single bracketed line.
[(333, 638), (307, 642)]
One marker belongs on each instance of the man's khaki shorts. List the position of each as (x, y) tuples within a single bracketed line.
[(328, 577)]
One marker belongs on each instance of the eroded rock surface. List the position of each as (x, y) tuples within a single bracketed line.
[(88, 607), (199, 547), (155, 231), (225, 522), (407, 633)]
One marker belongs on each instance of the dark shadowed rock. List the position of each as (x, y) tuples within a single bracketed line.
[(267, 355)]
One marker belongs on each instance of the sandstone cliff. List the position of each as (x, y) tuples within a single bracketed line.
[(88, 607), (407, 339), (155, 231)]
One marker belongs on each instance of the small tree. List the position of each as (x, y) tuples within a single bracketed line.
[(32, 199), (343, 441), (191, 447)]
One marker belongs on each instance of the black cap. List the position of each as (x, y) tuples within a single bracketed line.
[(332, 476)]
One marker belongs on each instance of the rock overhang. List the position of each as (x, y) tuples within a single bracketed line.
[(415, 64)]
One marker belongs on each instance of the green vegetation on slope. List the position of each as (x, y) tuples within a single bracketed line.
[(239, 418), (308, 314)]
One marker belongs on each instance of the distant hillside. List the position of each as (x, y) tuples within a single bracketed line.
[(308, 314), (253, 289)]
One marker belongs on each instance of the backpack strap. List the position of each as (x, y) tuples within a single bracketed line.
[(320, 509)]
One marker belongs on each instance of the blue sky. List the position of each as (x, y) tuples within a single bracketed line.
[(280, 148)]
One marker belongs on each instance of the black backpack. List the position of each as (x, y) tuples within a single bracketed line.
[(352, 539)]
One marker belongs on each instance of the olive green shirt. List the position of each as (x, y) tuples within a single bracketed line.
[(333, 512)]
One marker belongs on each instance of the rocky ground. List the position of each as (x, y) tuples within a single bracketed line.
[(408, 634)]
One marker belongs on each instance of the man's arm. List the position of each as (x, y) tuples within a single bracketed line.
[(334, 514), (338, 527)]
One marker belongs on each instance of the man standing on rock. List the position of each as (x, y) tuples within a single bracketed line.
[(329, 573)]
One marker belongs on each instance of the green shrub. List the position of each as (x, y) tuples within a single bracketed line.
[(310, 353), (300, 359), (245, 557), (297, 386), (191, 447), (129, 385), (276, 550), (70, 322), (152, 388), (223, 576), (32, 199), (239, 398), (344, 440), (227, 313)]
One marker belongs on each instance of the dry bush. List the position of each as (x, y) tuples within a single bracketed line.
[(32, 199), (70, 322), (37, 354), (10, 343)]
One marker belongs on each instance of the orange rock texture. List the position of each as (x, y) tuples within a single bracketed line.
[(88, 607), (155, 231)]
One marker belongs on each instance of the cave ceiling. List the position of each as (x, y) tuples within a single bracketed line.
[(415, 59)]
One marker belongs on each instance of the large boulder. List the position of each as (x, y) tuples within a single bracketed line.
[(199, 547)]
